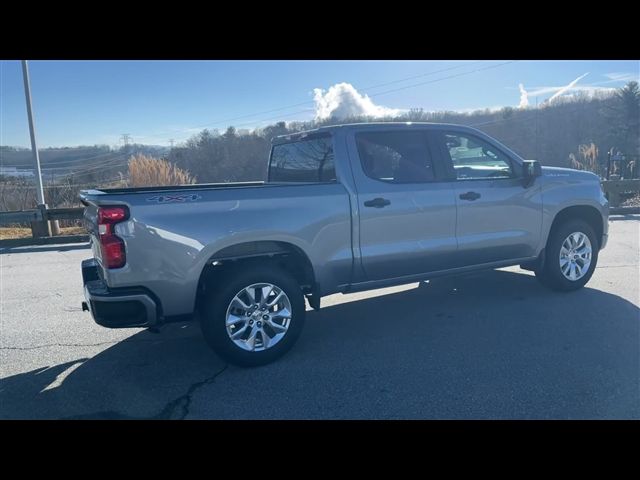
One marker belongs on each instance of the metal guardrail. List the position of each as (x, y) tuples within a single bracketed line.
[(24, 216), (65, 213), (614, 189), (621, 162), (36, 215)]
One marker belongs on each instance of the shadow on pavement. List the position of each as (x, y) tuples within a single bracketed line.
[(488, 345), (45, 248)]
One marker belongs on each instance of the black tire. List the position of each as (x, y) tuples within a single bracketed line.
[(214, 313), (550, 275)]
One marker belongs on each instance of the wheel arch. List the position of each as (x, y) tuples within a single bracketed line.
[(587, 213), (285, 255)]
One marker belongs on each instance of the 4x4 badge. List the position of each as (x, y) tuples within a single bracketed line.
[(169, 198)]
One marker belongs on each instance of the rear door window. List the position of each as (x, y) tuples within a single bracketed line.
[(396, 156), (310, 160)]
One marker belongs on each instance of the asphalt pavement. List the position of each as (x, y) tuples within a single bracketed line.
[(492, 345)]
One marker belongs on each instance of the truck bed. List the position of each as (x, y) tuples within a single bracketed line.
[(173, 232), (172, 188)]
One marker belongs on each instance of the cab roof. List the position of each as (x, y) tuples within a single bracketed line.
[(369, 125)]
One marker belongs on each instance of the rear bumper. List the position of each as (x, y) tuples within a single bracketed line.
[(122, 308)]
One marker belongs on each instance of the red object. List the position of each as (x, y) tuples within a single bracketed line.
[(111, 215), (112, 246)]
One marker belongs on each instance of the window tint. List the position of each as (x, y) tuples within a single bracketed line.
[(304, 161), (474, 158), (397, 157)]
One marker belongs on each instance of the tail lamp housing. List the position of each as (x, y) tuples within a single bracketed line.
[(112, 248)]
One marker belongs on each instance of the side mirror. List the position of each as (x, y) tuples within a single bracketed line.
[(531, 170)]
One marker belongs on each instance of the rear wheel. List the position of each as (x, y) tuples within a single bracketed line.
[(571, 256), (255, 317)]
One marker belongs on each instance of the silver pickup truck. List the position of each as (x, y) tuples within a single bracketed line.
[(344, 208)]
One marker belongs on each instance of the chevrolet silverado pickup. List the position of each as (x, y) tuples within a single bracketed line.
[(344, 208)]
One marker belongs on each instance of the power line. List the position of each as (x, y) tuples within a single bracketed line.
[(65, 185), (127, 137), (444, 78), (116, 162), (113, 162), (522, 118), (106, 162), (309, 102), (391, 91), (63, 163), (419, 76)]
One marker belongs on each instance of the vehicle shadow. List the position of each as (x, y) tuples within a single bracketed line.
[(488, 345), (138, 377)]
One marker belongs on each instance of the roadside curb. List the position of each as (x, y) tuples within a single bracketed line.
[(624, 210), (61, 239)]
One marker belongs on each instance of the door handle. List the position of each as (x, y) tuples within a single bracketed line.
[(377, 202), (470, 196)]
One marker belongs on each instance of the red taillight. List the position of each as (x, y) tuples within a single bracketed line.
[(112, 246), (113, 253), (111, 215)]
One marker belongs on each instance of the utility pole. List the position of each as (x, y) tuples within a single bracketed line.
[(32, 132), (41, 228), (125, 139), (537, 158)]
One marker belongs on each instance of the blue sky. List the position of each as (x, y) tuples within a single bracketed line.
[(94, 102)]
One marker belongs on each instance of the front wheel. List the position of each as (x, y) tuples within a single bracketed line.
[(571, 256), (255, 317)]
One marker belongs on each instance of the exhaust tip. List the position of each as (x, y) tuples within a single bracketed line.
[(85, 307)]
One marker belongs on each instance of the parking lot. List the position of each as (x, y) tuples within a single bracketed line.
[(488, 345)]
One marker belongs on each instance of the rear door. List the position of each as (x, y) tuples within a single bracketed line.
[(498, 219), (407, 216)]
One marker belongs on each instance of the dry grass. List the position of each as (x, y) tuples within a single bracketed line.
[(145, 171), (587, 158), (7, 233)]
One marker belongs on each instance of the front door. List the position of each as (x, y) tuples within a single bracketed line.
[(498, 218), (407, 216)]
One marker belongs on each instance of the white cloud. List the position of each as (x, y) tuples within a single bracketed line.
[(342, 101), (563, 90), (621, 77), (566, 88), (540, 91), (524, 97)]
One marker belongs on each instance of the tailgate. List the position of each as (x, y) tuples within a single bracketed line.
[(90, 221), (91, 199), (90, 218)]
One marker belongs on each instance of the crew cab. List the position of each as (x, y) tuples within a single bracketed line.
[(344, 208)]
